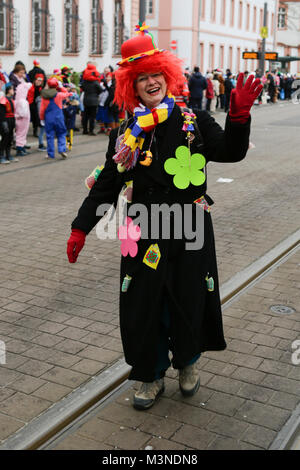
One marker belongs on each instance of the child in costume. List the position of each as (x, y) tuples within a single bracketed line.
[(22, 115), (52, 113), (70, 112), (7, 124)]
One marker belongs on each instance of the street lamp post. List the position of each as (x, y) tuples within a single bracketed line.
[(263, 45), (142, 11)]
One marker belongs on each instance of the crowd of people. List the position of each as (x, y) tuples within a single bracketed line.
[(212, 91), (53, 103)]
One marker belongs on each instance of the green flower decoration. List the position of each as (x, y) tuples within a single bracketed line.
[(186, 168)]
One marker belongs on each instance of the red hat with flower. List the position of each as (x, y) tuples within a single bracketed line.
[(141, 55)]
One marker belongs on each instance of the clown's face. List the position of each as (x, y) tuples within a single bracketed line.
[(151, 89)]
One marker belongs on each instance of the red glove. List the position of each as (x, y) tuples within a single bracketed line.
[(243, 97), (75, 244)]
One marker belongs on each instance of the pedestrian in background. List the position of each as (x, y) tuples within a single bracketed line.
[(216, 87), (36, 70), (7, 124), (33, 93), (91, 88), (22, 116), (221, 97), (197, 84), (209, 91), (228, 86), (17, 76)]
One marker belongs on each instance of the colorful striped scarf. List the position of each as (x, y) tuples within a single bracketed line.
[(129, 145)]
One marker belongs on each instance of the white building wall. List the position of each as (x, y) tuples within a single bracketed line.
[(233, 36), (56, 58)]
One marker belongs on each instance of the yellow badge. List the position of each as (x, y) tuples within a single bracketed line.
[(152, 256)]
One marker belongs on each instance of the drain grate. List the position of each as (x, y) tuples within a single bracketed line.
[(282, 309)]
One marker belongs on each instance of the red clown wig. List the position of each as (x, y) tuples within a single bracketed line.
[(140, 56)]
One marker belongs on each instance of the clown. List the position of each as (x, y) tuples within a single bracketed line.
[(169, 292)]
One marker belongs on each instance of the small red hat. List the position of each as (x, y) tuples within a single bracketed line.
[(52, 82), (36, 62), (139, 46)]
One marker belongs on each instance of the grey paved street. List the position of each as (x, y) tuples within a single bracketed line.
[(59, 322)]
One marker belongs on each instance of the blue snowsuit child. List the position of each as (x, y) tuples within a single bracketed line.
[(52, 113)]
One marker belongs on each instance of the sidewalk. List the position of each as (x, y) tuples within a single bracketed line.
[(59, 321), (247, 393)]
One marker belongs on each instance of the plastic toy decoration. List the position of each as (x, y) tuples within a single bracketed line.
[(186, 168), (202, 202), (188, 125), (92, 178), (152, 256), (126, 282), (148, 158), (129, 234)]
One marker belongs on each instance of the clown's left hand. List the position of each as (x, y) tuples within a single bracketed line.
[(243, 97)]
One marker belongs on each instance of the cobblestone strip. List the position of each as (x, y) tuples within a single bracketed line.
[(247, 394)]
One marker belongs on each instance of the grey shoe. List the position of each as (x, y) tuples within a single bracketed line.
[(148, 393), (64, 155), (189, 380)]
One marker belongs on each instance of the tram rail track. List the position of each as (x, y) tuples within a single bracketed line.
[(70, 412)]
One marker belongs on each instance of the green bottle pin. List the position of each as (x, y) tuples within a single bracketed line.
[(210, 283), (126, 282)]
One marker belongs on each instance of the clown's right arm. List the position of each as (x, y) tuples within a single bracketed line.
[(105, 191)]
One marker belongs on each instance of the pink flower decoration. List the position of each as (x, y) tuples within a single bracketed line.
[(129, 234)]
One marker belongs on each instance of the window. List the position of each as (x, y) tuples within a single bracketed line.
[(149, 7), (254, 19), (261, 18), (203, 10), (201, 55), (281, 17), (118, 27), (230, 57), (213, 10), (40, 26), (72, 27), (232, 13), (8, 27), (238, 59), (221, 57), (223, 12), (248, 17), (240, 14), (97, 27), (211, 56)]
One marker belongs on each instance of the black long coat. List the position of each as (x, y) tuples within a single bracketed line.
[(195, 312)]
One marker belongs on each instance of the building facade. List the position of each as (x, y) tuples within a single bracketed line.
[(209, 33), (69, 32), (288, 34), (214, 33)]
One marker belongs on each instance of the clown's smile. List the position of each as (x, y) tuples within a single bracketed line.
[(151, 88)]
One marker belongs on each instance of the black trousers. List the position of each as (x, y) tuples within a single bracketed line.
[(7, 137), (195, 103), (34, 116), (89, 117)]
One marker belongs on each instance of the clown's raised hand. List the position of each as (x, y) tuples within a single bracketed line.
[(243, 97)]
